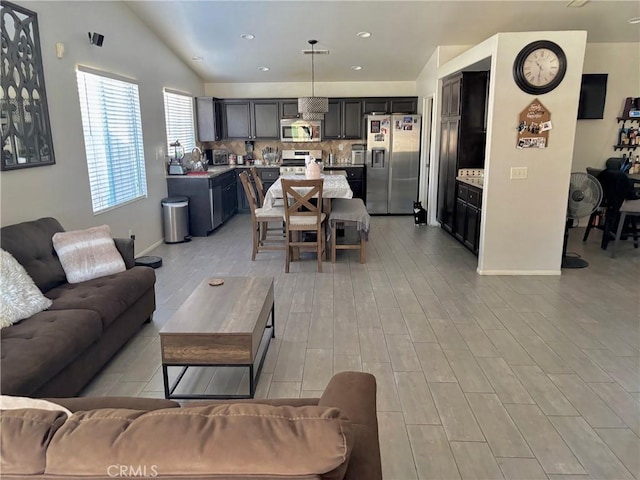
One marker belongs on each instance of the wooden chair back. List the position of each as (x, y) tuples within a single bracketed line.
[(249, 192), (257, 181), (297, 199)]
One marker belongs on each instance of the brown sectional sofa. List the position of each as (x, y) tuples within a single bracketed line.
[(334, 437), (55, 353)]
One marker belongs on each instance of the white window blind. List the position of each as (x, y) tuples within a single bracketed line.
[(178, 113), (113, 139)]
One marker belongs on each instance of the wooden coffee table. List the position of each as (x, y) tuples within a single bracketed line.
[(221, 326)]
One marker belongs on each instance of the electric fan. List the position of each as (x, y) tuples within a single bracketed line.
[(585, 194)]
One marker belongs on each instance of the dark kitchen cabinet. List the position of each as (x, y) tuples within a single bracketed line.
[(289, 109), (462, 137), (447, 172), (208, 119), (375, 105), (404, 105), (268, 176), (251, 119), (242, 200), (408, 105), (467, 215), (229, 200), (344, 119), (212, 201), (201, 202)]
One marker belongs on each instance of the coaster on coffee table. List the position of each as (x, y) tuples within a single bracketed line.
[(214, 282)]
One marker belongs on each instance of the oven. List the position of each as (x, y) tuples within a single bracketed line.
[(293, 161), (296, 130)]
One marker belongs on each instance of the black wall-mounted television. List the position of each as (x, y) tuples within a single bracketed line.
[(593, 92)]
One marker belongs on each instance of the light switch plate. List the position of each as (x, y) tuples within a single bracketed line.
[(518, 173)]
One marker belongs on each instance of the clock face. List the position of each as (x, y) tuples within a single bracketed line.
[(539, 67)]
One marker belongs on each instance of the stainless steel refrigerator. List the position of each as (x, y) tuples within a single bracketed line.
[(393, 162)]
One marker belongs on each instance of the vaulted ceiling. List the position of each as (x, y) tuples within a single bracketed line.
[(404, 34)]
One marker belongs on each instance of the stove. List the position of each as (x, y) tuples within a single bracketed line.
[(293, 161)]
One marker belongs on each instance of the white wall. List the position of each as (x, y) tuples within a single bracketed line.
[(523, 220), (595, 138), (131, 50), (297, 89)]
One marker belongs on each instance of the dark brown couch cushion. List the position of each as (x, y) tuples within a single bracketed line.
[(234, 440), (30, 243), (24, 437), (109, 296), (34, 350)]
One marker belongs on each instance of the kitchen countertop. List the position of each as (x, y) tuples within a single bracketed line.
[(213, 172), (474, 181)]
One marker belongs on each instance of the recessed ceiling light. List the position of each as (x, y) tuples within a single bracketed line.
[(248, 36), (577, 3), (263, 69), (363, 34), (356, 67), (197, 58), (634, 20)]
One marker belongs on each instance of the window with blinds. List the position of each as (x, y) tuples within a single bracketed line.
[(178, 113), (110, 109)]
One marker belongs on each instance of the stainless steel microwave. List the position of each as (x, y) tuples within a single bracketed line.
[(296, 130)]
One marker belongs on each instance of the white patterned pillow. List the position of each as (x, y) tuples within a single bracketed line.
[(88, 254), (19, 296)]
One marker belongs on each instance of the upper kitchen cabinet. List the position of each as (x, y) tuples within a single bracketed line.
[(407, 105), (451, 95), (344, 119), (290, 108), (251, 119), (208, 119), (375, 105)]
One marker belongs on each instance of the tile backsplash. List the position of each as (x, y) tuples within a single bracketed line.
[(341, 149)]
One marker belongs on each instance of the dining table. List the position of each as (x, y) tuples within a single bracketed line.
[(335, 185)]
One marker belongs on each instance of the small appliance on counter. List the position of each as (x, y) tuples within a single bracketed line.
[(175, 166), (358, 153), (219, 157)]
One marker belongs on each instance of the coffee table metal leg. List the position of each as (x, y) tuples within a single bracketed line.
[(165, 379), (273, 320), (252, 382)]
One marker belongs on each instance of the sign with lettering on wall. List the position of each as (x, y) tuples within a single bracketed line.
[(533, 128)]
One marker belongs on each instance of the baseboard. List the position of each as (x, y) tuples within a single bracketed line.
[(147, 250), (519, 272)]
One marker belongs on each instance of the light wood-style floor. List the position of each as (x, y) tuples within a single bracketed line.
[(478, 377)]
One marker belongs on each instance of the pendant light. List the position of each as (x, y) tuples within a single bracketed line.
[(313, 108)]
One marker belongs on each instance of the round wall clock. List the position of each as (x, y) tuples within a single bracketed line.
[(539, 67)]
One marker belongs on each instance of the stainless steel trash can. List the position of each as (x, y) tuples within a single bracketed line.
[(175, 219)]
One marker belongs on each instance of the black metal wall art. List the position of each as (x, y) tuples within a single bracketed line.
[(24, 116)]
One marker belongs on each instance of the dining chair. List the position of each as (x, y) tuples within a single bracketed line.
[(630, 208), (349, 211), (260, 218), (260, 188), (302, 215)]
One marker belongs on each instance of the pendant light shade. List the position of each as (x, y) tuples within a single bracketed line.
[(313, 108)]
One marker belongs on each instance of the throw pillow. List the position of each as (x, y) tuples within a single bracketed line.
[(88, 254), (8, 402), (20, 298)]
